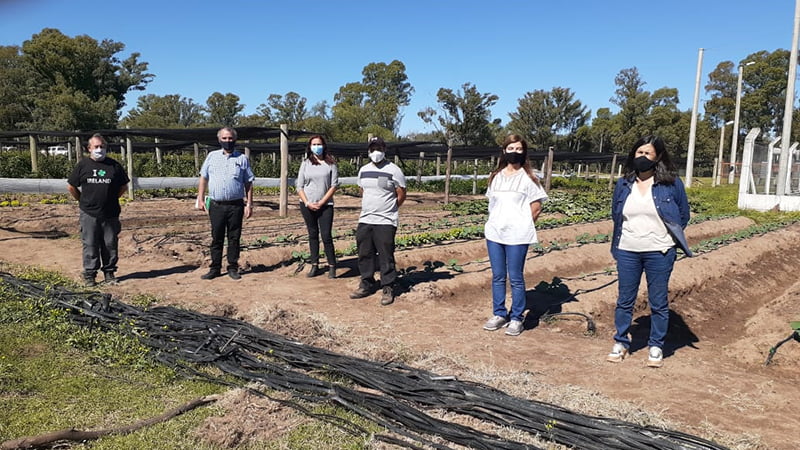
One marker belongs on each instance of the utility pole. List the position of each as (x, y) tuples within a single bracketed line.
[(693, 126), (786, 136)]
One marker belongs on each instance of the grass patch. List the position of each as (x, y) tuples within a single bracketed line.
[(56, 375)]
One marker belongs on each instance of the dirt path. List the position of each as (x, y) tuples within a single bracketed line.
[(728, 307)]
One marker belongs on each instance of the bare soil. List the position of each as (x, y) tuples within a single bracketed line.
[(728, 307)]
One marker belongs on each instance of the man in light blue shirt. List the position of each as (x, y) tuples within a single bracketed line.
[(227, 179)]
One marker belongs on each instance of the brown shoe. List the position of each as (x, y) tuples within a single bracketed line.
[(388, 296)]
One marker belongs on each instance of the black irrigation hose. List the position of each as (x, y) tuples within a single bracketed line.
[(795, 335), (392, 395)]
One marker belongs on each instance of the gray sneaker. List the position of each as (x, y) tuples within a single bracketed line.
[(514, 328), (495, 323)]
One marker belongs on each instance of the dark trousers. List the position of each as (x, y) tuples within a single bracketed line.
[(319, 222), (100, 243), (226, 218), (376, 250)]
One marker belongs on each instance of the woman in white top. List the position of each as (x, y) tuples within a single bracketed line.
[(649, 210), (316, 182), (515, 201)]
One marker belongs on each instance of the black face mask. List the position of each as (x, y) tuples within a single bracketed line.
[(514, 158), (643, 164), (227, 145)]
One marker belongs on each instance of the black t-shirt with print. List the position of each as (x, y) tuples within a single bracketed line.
[(99, 182)]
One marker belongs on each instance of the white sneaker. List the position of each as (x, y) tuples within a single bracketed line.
[(618, 353), (514, 328), (655, 358), (495, 323)]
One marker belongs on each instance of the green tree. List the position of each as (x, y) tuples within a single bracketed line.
[(387, 91), (763, 91), (289, 109), (168, 111), (373, 105), (549, 118), (223, 109), (77, 83), (350, 116), (464, 117), (15, 82), (603, 127)]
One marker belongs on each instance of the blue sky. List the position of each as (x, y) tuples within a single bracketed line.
[(507, 48)]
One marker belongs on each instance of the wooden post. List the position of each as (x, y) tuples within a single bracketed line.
[(196, 157), (34, 153), (714, 172), (129, 152), (475, 177), (447, 174), (420, 162), (123, 153), (548, 175), (78, 149), (284, 194), (247, 152), (438, 164), (158, 154), (611, 171)]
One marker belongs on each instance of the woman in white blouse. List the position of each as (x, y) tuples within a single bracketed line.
[(515, 201)]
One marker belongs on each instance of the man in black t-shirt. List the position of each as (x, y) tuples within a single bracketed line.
[(97, 182)]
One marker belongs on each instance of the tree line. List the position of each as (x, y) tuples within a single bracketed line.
[(56, 82)]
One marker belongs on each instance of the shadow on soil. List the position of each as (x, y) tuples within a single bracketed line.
[(157, 273), (544, 303), (679, 334)]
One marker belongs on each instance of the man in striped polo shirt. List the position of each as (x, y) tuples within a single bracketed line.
[(383, 191), (227, 179)]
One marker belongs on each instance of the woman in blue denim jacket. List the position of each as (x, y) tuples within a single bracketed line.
[(650, 211)]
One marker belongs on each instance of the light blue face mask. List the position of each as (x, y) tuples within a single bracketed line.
[(317, 149), (99, 153)]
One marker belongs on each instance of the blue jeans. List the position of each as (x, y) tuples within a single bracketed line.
[(657, 267), (510, 260)]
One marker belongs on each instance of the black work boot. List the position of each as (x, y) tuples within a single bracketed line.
[(331, 272), (88, 279), (109, 278), (213, 273), (314, 271)]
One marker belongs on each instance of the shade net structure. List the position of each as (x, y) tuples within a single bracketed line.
[(393, 395)]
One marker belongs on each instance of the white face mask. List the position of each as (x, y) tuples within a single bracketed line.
[(99, 154), (376, 156)]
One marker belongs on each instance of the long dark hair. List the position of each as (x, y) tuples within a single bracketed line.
[(665, 170), (502, 162), (325, 156)]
